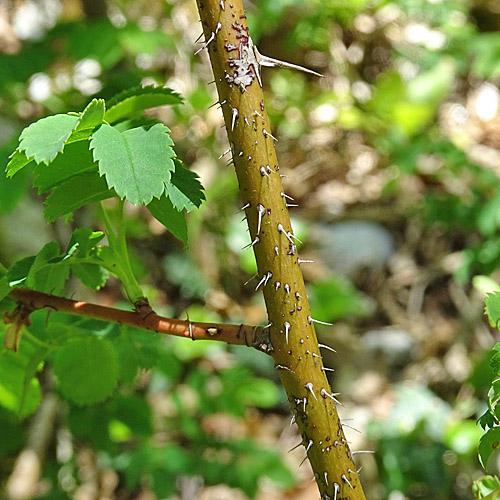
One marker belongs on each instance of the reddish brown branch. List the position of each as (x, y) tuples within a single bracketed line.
[(254, 336)]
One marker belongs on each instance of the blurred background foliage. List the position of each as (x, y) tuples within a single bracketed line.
[(393, 158)]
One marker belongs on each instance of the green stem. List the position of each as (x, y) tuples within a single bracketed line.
[(118, 244)]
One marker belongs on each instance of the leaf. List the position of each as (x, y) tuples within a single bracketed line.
[(75, 160), (19, 389), (18, 160), (184, 189), (45, 139), (85, 239), (136, 163), (87, 370), (91, 275), (4, 285), (91, 117), (74, 193), (18, 272), (139, 99), (171, 218), (46, 276), (488, 444), (492, 309)]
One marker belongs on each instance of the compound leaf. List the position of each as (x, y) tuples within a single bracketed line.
[(139, 99), (136, 162), (91, 117), (45, 139), (87, 370)]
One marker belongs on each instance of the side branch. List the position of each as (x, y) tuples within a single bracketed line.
[(252, 336)]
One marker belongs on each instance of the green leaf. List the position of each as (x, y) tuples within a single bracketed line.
[(49, 272), (75, 160), (74, 193), (18, 272), (136, 163), (184, 189), (85, 239), (18, 160), (488, 444), (91, 117), (139, 99), (19, 388), (4, 285), (171, 218), (91, 275), (45, 139), (87, 370), (492, 308)]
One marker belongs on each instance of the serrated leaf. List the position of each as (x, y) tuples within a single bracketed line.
[(75, 160), (86, 370), (139, 99), (91, 275), (18, 160), (136, 163), (492, 309), (91, 117), (74, 193), (45, 139), (171, 218), (488, 444), (184, 189)]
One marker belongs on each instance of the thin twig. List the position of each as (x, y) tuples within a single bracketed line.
[(254, 336)]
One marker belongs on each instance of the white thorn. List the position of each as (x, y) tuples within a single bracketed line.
[(225, 153), (218, 27), (305, 402), (270, 62), (246, 121), (303, 261), (261, 209), (323, 346), (277, 285), (222, 6), (244, 207), (310, 388), (361, 451), (267, 134), (263, 172), (325, 369), (276, 250), (294, 237), (212, 37), (233, 118), (344, 478), (254, 242), (269, 275), (311, 321), (291, 205), (287, 288), (350, 427), (261, 282), (336, 489), (326, 394), (325, 474), (292, 420), (314, 355), (287, 196), (287, 326), (311, 442)]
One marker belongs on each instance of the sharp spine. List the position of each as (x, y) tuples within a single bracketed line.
[(295, 447), (323, 346), (205, 45), (311, 321), (235, 114), (310, 388), (344, 478), (304, 261), (224, 154), (326, 394)]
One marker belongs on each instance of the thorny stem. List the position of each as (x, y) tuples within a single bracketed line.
[(254, 336), (296, 352)]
